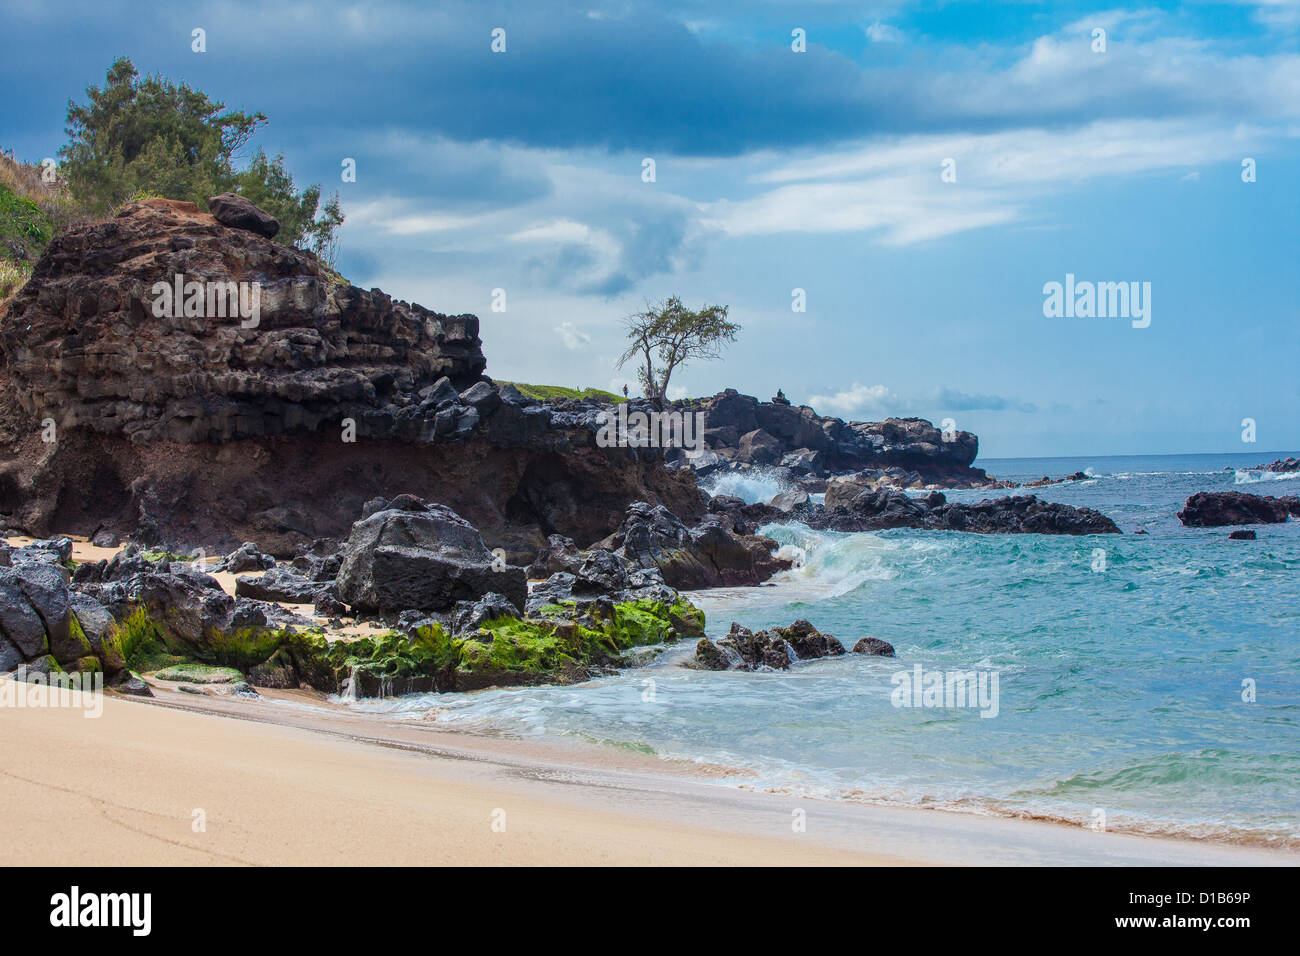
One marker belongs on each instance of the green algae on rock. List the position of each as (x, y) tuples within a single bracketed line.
[(563, 643)]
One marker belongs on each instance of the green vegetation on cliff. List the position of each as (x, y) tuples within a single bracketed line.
[(552, 392)]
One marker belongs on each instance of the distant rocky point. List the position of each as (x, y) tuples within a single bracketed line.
[(739, 429), (1280, 466)]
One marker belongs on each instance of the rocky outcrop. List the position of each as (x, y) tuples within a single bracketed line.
[(708, 555), (740, 428), (97, 340), (198, 430), (174, 622), (412, 555), (1016, 514), (1209, 509), (774, 649), (1284, 466)]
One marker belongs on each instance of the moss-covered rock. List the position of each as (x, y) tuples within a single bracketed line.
[(562, 643)]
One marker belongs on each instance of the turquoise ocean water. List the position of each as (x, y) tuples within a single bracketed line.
[(1121, 663)]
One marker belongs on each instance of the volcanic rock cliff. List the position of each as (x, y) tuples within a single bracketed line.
[(84, 345), (125, 407)]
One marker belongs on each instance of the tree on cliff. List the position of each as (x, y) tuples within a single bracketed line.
[(147, 135), (672, 335)]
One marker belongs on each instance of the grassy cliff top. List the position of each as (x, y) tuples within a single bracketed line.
[(544, 392)]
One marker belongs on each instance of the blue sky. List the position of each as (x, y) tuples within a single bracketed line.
[(778, 170)]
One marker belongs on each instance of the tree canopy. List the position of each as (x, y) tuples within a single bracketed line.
[(141, 136)]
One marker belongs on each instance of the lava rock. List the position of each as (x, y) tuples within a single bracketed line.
[(873, 646), (1209, 509), (233, 210), (427, 559)]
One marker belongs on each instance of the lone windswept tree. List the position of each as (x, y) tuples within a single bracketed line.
[(667, 335)]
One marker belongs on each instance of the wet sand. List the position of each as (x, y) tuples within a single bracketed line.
[(283, 780)]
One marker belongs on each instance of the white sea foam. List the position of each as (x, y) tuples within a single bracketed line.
[(1250, 476), (752, 485)]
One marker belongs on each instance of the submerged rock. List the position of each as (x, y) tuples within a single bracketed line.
[(873, 646)]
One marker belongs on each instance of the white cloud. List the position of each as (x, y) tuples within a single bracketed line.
[(883, 33), (857, 398), (895, 188), (572, 338)]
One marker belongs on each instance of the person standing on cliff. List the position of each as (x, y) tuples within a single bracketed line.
[(625, 391)]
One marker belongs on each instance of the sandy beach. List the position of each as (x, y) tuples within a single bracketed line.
[(278, 781)]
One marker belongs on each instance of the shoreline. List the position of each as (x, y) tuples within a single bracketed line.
[(302, 785)]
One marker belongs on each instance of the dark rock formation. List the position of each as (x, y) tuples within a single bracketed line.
[(873, 646), (558, 554), (788, 501), (708, 555), (83, 344), (775, 648), (889, 508), (1017, 514), (197, 431), (1281, 466), (740, 428), (246, 557), (1209, 509), (191, 614), (280, 584), (233, 210), (1246, 535), (425, 557), (709, 657)]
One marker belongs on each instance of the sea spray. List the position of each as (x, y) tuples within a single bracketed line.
[(752, 485)]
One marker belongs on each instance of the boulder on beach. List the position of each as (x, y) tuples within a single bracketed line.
[(41, 621), (413, 555)]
